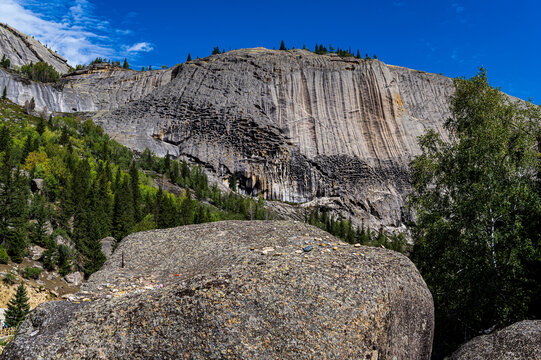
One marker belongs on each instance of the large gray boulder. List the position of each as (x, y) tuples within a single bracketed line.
[(520, 341), (239, 290)]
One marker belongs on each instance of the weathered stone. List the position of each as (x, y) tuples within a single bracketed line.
[(231, 302), (35, 252), (22, 49), (74, 278), (294, 126), (107, 245), (48, 228), (60, 240), (520, 341), (37, 185), (94, 91)]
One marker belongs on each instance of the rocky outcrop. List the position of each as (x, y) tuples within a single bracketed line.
[(22, 49), (239, 290), (89, 91), (520, 341), (294, 126)]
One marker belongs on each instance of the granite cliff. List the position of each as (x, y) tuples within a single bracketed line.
[(291, 125), (97, 88), (243, 290), (22, 49), (294, 126)]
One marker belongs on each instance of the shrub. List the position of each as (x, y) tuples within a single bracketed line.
[(4, 257), (9, 278), (31, 273)]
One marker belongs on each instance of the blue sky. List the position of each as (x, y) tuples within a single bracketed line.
[(449, 37)]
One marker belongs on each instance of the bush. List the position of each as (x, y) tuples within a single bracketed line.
[(4, 257), (9, 278), (31, 273), (40, 71)]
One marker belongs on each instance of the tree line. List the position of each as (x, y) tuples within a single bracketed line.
[(92, 188)]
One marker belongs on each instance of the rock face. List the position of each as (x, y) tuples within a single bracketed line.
[(520, 341), (239, 290), (22, 49), (294, 126), (89, 91)]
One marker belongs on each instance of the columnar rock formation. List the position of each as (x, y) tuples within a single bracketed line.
[(243, 290), (22, 49), (294, 126)]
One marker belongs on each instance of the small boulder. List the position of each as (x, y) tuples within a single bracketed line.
[(60, 240), (37, 185), (35, 252), (48, 228), (522, 340), (107, 246), (75, 278)]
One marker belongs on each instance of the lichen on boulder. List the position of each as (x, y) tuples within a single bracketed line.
[(239, 290), (520, 341)]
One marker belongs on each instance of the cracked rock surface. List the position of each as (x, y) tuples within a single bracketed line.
[(294, 126), (520, 341), (238, 290)]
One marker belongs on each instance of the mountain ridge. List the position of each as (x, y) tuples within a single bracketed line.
[(291, 125)]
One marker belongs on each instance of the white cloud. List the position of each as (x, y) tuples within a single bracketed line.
[(140, 47), (69, 27)]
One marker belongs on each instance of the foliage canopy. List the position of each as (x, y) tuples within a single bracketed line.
[(477, 198)]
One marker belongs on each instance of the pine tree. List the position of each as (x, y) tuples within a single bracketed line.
[(175, 172), (123, 212), (136, 193), (167, 165), (283, 46), (216, 51), (189, 57), (40, 128), (146, 159), (18, 308), (233, 182), (125, 65), (103, 208), (13, 217), (78, 202)]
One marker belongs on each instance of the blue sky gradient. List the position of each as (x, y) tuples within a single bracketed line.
[(454, 38)]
